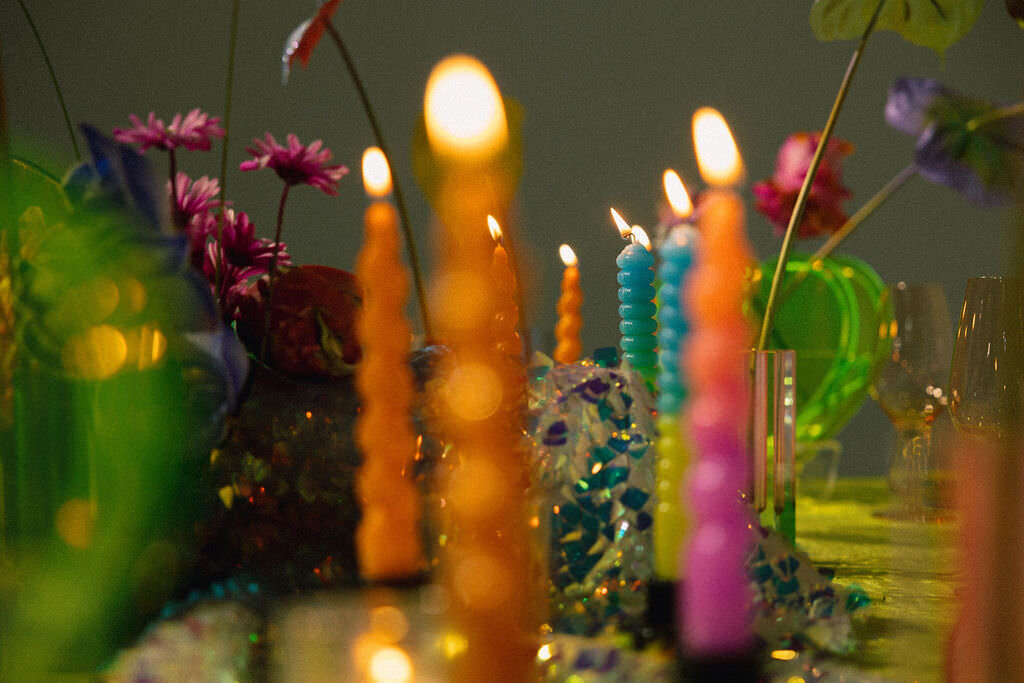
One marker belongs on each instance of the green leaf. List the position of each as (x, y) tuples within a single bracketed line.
[(936, 24), (427, 168)]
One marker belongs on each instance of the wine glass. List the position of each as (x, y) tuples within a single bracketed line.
[(911, 391), (985, 378)]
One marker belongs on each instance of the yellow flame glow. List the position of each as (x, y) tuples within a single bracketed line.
[(717, 154), (376, 172), (567, 255), (678, 197), (465, 116), (621, 224), (494, 228), (390, 665), (640, 235)]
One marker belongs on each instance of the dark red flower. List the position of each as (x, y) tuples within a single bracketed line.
[(312, 330), (776, 196)]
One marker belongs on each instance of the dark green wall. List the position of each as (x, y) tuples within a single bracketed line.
[(608, 89)]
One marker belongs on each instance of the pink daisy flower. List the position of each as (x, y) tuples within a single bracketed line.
[(296, 164), (193, 131), (194, 202), (244, 249)]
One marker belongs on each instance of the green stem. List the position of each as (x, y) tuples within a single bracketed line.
[(177, 218), (218, 276), (53, 78), (869, 207), (410, 242), (812, 171), (272, 275), (999, 114), (837, 238)]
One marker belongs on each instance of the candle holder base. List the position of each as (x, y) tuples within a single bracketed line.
[(738, 667)]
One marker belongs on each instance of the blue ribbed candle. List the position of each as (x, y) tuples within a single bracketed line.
[(637, 310), (673, 450), (677, 254)]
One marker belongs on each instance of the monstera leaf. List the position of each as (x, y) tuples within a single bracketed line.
[(930, 23)]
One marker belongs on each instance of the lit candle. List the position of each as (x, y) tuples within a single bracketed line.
[(677, 256), (636, 301), (487, 553), (714, 606), (506, 316), (567, 330), (388, 538)]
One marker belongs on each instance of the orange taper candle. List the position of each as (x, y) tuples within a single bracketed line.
[(487, 559), (506, 314), (388, 541), (567, 330)]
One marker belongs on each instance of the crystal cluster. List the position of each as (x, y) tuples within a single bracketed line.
[(592, 431)]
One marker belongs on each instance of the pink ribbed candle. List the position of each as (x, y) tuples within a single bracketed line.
[(714, 605)]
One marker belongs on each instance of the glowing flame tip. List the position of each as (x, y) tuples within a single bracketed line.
[(678, 197), (640, 235), (494, 228), (376, 172), (567, 255), (621, 224), (717, 154)]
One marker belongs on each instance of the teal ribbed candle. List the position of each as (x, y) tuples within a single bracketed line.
[(637, 310)]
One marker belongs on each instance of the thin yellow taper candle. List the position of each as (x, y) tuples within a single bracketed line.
[(567, 329), (506, 316)]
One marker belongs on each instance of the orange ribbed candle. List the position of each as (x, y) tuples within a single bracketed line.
[(487, 554), (567, 330), (506, 315), (388, 541)]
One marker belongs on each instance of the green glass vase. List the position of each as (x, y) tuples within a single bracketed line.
[(834, 313)]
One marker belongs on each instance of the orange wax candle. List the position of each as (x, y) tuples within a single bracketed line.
[(388, 541), (487, 553), (506, 316), (567, 330)]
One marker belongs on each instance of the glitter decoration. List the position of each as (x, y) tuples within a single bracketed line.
[(213, 641), (592, 431), (602, 660), (797, 605)]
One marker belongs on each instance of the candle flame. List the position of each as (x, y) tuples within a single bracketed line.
[(717, 154), (567, 255), (678, 197), (376, 172), (641, 236), (464, 112), (621, 224), (494, 228)]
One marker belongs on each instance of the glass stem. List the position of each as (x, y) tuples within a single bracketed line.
[(911, 472)]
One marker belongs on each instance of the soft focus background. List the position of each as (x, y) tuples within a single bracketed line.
[(608, 89)]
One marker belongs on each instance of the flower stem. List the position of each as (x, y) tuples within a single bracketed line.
[(177, 218), (812, 171), (410, 242), (999, 114), (851, 224), (272, 275), (53, 78), (218, 275)]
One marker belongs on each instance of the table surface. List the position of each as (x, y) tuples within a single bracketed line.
[(907, 568)]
